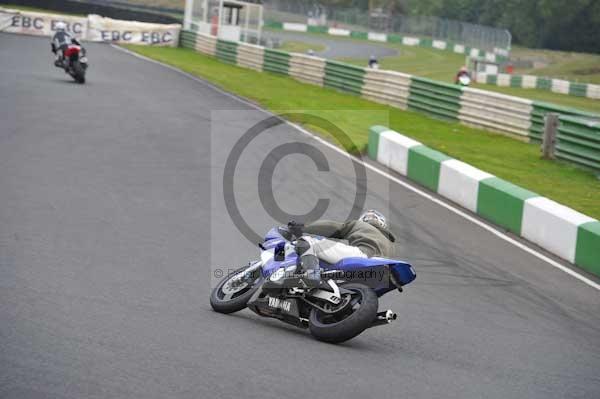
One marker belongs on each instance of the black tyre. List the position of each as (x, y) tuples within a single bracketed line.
[(225, 299), (350, 321), (79, 72)]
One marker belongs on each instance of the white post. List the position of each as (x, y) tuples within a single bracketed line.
[(247, 24), (187, 15), (260, 22), (220, 19)]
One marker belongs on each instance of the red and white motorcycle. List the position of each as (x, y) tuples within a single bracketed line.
[(74, 62)]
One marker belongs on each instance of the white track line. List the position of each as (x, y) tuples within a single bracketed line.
[(383, 173)]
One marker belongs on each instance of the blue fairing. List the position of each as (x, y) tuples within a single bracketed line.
[(371, 271)]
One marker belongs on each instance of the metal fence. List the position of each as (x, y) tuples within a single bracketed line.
[(472, 35)]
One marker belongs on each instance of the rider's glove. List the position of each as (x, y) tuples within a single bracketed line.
[(296, 228)]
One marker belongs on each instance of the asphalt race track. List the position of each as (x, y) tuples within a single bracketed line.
[(111, 217), (336, 47)]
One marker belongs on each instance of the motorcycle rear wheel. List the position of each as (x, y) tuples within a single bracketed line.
[(224, 299), (78, 72), (350, 321)]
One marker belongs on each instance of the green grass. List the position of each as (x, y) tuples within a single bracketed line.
[(505, 157), (37, 9), (292, 46), (443, 65), (576, 67), (428, 63)]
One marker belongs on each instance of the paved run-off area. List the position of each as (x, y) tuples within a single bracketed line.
[(111, 218)]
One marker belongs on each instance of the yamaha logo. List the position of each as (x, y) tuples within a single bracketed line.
[(280, 304)]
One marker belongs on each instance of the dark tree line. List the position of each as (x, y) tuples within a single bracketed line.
[(555, 24)]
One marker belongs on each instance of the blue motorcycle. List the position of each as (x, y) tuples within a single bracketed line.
[(341, 307)]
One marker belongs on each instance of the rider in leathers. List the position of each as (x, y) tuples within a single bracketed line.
[(367, 237), (60, 42)]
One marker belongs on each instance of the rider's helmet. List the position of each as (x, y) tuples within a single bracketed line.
[(374, 218), (60, 26)]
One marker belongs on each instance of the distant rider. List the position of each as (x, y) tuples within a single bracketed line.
[(463, 71), (367, 237), (60, 42), (373, 63)]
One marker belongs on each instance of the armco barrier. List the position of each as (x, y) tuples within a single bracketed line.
[(436, 98), (386, 87), (276, 61), (495, 111), (542, 83), (226, 51), (554, 227), (307, 68), (187, 39), (498, 112), (344, 77), (250, 56), (539, 111), (578, 140)]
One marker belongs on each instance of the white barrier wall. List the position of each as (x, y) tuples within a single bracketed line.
[(552, 226), (92, 28), (459, 182), (393, 149), (295, 27), (307, 68), (206, 44), (40, 24), (439, 44), (496, 111), (386, 87), (250, 56), (102, 29), (411, 41), (338, 32), (377, 37)]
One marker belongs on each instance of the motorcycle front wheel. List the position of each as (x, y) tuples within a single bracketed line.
[(356, 316), (231, 294)]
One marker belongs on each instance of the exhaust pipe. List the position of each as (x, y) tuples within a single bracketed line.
[(384, 318)]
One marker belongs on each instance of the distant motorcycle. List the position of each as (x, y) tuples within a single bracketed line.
[(74, 62), (464, 80), (338, 310)]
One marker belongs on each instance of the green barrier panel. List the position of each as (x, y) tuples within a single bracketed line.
[(344, 77), (273, 24), (425, 42), (187, 39), (276, 61), (516, 81), (424, 166), (540, 109), (227, 51), (435, 98), (491, 79), (578, 89), (373, 143), (359, 35), (587, 251), (394, 38), (502, 203), (317, 29), (543, 84), (578, 141)]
